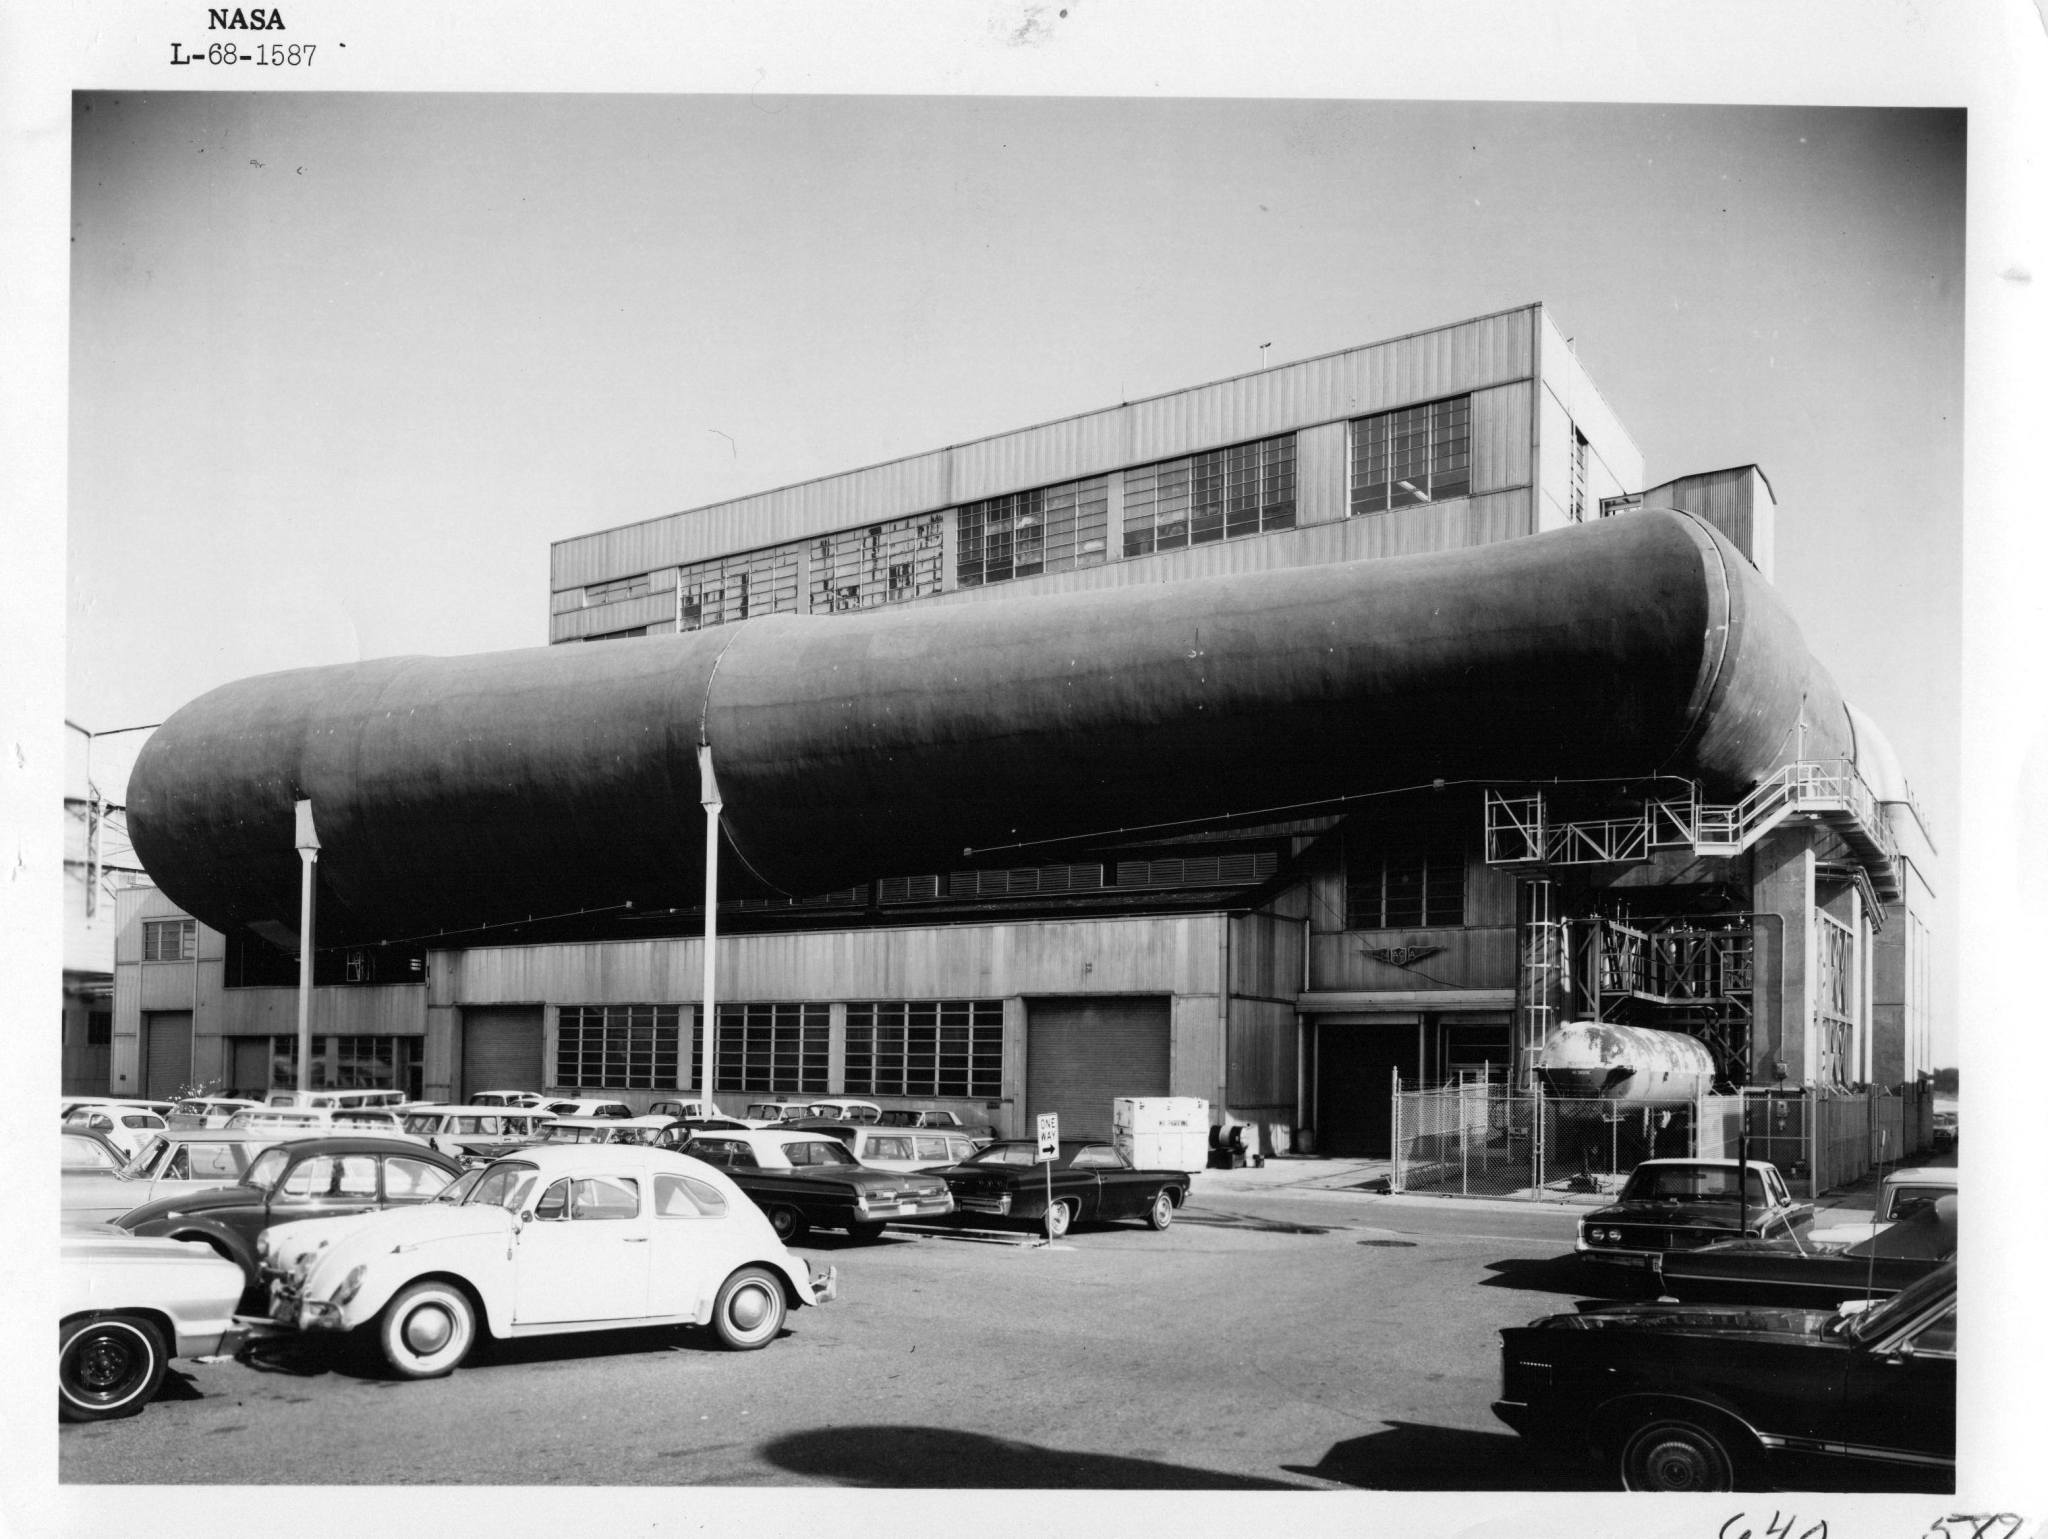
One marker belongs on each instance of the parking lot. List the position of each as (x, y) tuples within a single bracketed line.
[(1273, 1338)]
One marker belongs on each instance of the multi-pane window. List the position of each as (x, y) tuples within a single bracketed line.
[(618, 1047), (169, 940), (352, 1063), (1404, 887), (1050, 529), (773, 1047), (1578, 477), (762, 582), (925, 1047), (881, 564), (1416, 455), (617, 591), (1218, 495)]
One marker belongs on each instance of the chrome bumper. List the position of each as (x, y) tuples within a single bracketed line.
[(824, 1289)]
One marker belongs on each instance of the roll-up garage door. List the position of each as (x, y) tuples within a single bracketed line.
[(252, 1067), (167, 1049), (502, 1049), (1081, 1054)]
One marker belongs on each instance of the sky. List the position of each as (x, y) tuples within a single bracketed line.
[(343, 366)]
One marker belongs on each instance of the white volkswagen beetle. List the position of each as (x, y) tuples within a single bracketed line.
[(555, 1238)]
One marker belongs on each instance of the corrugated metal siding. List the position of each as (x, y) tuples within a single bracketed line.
[(1474, 355), (397, 1011), (1322, 474), (1262, 1058), (1167, 955), (1500, 437)]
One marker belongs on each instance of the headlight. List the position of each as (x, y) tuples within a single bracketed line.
[(351, 1284)]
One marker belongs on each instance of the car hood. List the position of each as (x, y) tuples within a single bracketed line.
[(389, 1229), (1725, 1320), (205, 1199)]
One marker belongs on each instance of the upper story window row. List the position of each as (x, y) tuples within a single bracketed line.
[(1222, 494), (1049, 529), (1416, 455)]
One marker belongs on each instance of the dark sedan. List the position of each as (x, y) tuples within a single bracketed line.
[(1693, 1397), (1817, 1274), (808, 1181), (1090, 1180), (308, 1178), (1674, 1205)]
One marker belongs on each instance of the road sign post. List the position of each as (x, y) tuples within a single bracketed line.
[(1048, 1151)]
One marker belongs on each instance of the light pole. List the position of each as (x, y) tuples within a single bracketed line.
[(707, 1019), (309, 856)]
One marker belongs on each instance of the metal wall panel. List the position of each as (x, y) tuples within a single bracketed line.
[(1261, 1061), (1566, 379), (1166, 955), (396, 1010), (1478, 957), (1322, 474), (1041, 456), (1500, 437)]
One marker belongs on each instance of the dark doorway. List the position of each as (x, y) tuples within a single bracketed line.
[(1355, 1082)]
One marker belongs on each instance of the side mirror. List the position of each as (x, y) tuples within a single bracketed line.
[(526, 1218)]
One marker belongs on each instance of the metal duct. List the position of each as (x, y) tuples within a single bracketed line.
[(453, 792)]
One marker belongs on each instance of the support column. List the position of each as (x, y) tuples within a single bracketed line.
[(1785, 1022)]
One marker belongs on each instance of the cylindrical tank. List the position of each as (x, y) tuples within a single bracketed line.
[(1624, 1063), (452, 792)]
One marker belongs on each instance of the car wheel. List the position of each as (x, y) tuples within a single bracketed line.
[(1160, 1214), (426, 1330), (750, 1309), (108, 1367), (1668, 1455), (789, 1224), (1059, 1218)]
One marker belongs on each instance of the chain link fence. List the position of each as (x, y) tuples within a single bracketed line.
[(1479, 1140)]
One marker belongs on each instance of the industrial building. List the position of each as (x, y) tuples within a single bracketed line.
[(1573, 762)]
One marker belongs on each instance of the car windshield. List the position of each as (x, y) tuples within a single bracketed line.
[(145, 1160), (503, 1185), (264, 1170), (1872, 1323), (1908, 1200), (1691, 1183)]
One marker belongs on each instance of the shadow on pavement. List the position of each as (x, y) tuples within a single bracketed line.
[(1566, 1276), (936, 1456), (1410, 1457)]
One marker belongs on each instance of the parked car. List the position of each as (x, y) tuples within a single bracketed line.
[(768, 1114), (1947, 1131), (170, 1163), (306, 1120), (1006, 1181), (1818, 1274), (1682, 1204), (126, 1126), (847, 1111), (678, 1134), (207, 1111), (66, 1105), (585, 1107), (894, 1148), (527, 1099), (307, 1178), (572, 1237), (126, 1306), (88, 1152), (937, 1117), (691, 1110), (337, 1100), (1900, 1195), (466, 1130), (1693, 1397), (809, 1181)]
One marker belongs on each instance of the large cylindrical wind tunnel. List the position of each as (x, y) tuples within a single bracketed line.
[(458, 791)]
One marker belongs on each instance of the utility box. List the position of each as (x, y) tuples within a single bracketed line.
[(1162, 1132)]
